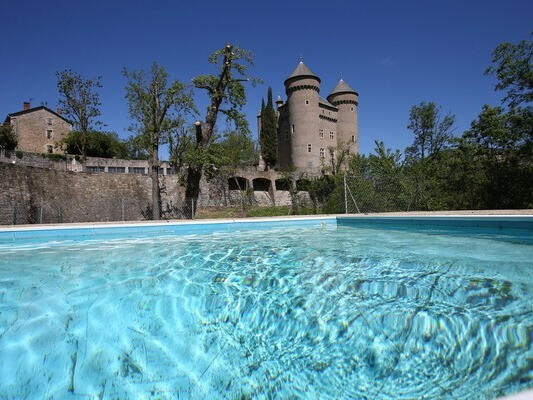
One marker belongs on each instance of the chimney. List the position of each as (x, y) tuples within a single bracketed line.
[(26, 105), (59, 110)]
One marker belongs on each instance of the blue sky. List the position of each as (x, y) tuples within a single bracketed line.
[(394, 53)]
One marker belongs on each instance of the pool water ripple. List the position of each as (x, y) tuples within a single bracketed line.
[(294, 313)]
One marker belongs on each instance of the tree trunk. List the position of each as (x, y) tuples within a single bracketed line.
[(192, 191), (156, 192)]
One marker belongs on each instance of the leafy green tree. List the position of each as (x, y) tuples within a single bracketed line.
[(513, 66), (8, 138), (158, 108), (98, 144), (432, 130), (226, 95), (268, 136), (80, 102)]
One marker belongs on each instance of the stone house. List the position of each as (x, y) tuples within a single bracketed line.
[(38, 129)]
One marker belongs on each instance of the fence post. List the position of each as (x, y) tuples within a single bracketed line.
[(192, 208), (41, 214), (345, 196), (14, 215), (122, 203)]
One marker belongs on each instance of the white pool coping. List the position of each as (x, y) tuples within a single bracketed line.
[(514, 215)]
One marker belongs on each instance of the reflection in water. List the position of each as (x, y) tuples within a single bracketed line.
[(307, 313)]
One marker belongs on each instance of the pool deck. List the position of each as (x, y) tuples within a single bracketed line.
[(412, 214)]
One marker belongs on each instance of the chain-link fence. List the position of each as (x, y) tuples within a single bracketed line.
[(387, 194)]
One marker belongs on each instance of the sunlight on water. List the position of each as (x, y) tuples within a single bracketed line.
[(294, 313)]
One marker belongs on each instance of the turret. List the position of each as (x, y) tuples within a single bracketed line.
[(346, 100), (302, 88)]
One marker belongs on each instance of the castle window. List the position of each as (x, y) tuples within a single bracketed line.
[(321, 133), (307, 102), (309, 148), (49, 134), (322, 152), (49, 121), (351, 108), (353, 139), (292, 128), (331, 135), (49, 148)]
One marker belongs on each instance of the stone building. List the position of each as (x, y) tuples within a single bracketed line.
[(38, 129), (311, 129)]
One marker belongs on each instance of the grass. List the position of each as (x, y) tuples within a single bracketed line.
[(237, 212)]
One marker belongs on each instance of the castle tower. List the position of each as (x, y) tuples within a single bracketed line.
[(346, 100), (302, 88)]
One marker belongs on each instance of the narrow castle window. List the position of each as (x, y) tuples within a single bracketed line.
[(307, 102), (353, 139), (351, 108), (292, 128), (331, 135), (322, 152), (321, 133), (309, 148), (49, 134), (50, 148)]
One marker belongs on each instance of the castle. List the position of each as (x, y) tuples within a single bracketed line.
[(312, 129)]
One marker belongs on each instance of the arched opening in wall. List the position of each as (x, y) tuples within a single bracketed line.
[(261, 184), (303, 185), (283, 184), (237, 183)]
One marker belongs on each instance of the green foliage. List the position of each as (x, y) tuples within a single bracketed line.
[(79, 99), (512, 65), (157, 107), (98, 144), (432, 131), (8, 138), (268, 135), (55, 156)]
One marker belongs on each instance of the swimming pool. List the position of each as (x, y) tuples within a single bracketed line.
[(320, 308)]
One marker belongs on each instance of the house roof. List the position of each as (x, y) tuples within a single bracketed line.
[(302, 70), (342, 87), (15, 114)]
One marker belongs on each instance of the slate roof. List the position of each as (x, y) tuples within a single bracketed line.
[(36, 109), (302, 70), (342, 87), (324, 101)]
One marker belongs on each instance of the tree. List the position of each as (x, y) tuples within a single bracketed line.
[(98, 144), (512, 65), (80, 102), (268, 135), (8, 138), (227, 96), (158, 108), (432, 130)]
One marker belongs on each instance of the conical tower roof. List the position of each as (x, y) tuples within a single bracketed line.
[(302, 70), (342, 87)]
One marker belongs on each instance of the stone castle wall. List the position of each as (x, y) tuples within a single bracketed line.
[(47, 195)]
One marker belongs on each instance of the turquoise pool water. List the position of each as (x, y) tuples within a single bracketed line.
[(300, 311)]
